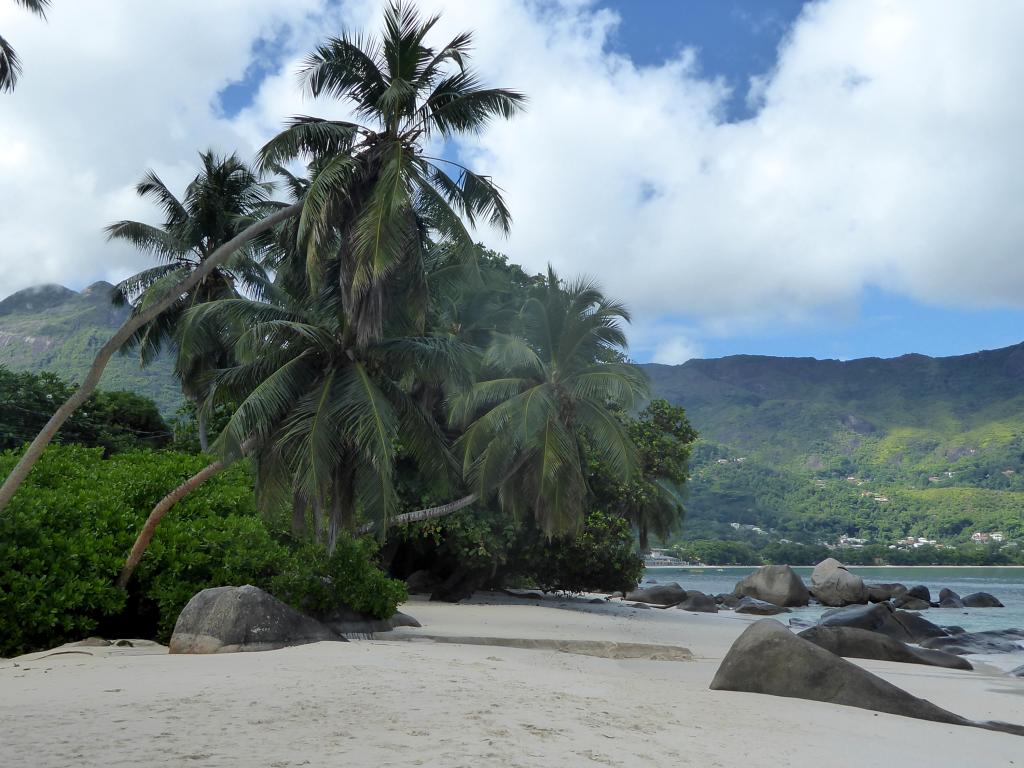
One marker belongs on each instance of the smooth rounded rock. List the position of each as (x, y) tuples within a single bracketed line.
[(234, 619), (834, 585), (777, 584)]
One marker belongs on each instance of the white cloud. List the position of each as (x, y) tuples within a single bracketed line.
[(675, 350), (885, 149)]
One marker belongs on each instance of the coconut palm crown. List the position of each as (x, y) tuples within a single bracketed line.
[(221, 200), (10, 64), (547, 401), (374, 192)]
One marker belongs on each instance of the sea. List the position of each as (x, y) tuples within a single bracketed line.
[(1007, 584)]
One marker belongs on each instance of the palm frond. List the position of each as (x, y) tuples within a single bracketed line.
[(10, 66)]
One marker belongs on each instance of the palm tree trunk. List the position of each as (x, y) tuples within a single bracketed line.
[(298, 514), (132, 324), (420, 515), (203, 427), (161, 509), (644, 541), (164, 506)]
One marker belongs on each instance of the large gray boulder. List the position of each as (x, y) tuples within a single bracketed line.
[(660, 594), (921, 592), (883, 618), (918, 627), (698, 602), (910, 603), (863, 644), (233, 619), (778, 584), (757, 607), (833, 585), (768, 658), (992, 641), (879, 593), (980, 600), (949, 599), (877, 617)]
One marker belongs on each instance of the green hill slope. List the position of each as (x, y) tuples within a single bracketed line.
[(877, 449), (56, 329)]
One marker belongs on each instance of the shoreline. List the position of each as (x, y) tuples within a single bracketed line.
[(403, 699), (705, 567)]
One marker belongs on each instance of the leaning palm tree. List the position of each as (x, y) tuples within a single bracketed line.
[(224, 197), (547, 401), (10, 64), (374, 189), (358, 210)]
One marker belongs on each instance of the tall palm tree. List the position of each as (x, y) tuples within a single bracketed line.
[(369, 179), (10, 64), (375, 192), (546, 402), (326, 417), (223, 198)]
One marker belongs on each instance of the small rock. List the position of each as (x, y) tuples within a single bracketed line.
[(980, 600), (757, 607), (910, 603), (663, 594), (698, 602), (920, 592), (880, 593)]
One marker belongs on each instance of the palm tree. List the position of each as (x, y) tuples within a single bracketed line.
[(326, 417), (374, 192), (10, 64), (546, 403), (220, 202)]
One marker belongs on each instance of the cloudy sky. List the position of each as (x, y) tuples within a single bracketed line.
[(838, 178)]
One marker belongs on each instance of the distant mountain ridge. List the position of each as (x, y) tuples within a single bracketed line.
[(895, 426), (738, 400), (53, 328)]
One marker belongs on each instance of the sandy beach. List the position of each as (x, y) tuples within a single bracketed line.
[(407, 700)]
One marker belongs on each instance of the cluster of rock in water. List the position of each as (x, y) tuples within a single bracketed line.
[(774, 589), (868, 621)]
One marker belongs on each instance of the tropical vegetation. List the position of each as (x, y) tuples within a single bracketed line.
[(365, 371)]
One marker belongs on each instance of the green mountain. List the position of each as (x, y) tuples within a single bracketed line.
[(811, 450), (53, 328)]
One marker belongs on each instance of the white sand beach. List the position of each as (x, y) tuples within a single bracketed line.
[(407, 701)]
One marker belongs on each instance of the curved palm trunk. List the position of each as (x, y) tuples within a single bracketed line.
[(164, 506), (202, 424), (132, 324), (166, 503), (420, 515)]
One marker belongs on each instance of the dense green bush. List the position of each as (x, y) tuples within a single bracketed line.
[(64, 537), (115, 421), (317, 584), (601, 558)]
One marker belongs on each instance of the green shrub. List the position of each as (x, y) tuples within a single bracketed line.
[(317, 584), (602, 558), (66, 533)]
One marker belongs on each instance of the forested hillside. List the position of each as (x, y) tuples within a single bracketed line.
[(52, 328), (880, 449)]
